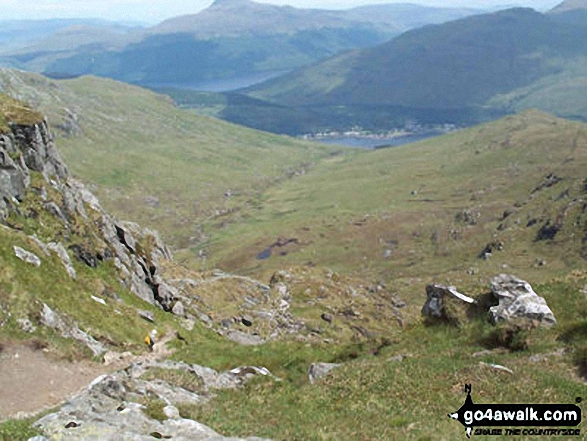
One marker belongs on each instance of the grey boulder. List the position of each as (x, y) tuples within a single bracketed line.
[(517, 300), (319, 370), (445, 303), (26, 256)]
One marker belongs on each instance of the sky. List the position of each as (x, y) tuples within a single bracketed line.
[(154, 11)]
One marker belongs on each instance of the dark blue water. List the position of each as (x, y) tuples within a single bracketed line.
[(224, 85), (373, 143), (265, 254)]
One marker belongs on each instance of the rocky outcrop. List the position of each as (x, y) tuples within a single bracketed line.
[(53, 320), (445, 303), (111, 407), (250, 312), (518, 301), (91, 234), (27, 256), (319, 370), (26, 149)]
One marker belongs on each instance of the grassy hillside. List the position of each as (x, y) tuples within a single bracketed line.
[(153, 163), (14, 112), (427, 210), (405, 390), (352, 230)]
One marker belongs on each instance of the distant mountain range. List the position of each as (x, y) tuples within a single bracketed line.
[(570, 5), (460, 72), (231, 38), (26, 36)]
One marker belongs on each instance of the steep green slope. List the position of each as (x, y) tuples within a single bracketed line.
[(153, 163)]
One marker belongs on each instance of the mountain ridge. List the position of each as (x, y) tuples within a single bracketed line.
[(225, 40), (569, 5), (483, 64)]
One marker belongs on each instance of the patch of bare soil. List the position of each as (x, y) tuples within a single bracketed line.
[(31, 381)]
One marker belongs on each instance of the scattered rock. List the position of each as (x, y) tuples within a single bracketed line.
[(52, 320), (467, 217), (398, 358), (99, 300), (152, 201), (243, 338), (26, 325), (539, 358), (189, 322), (59, 249), (327, 317), (98, 413), (112, 357), (146, 315), (69, 124), (226, 323), (26, 256), (549, 181), (517, 300), (178, 309), (446, 304), (548, 231), (398, 303), (247, 320), (279, 277), (84, 255), (171, 412), (490, 248), (498, 367), (165, 294), (319, 370)]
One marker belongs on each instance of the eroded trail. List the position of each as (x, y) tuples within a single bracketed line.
[(32, 381)]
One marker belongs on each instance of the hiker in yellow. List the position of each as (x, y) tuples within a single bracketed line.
[(150, 339)]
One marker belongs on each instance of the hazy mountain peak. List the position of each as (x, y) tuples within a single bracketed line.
[(228, 3), (570, 5)]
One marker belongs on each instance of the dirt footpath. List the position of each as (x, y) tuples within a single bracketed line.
[(31, 381)]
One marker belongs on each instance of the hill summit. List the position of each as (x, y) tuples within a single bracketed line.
[(569, 5), (224, 3)]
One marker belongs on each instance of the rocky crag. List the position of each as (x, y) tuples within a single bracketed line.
[(113, 407), (36, 185), (30, 161)]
